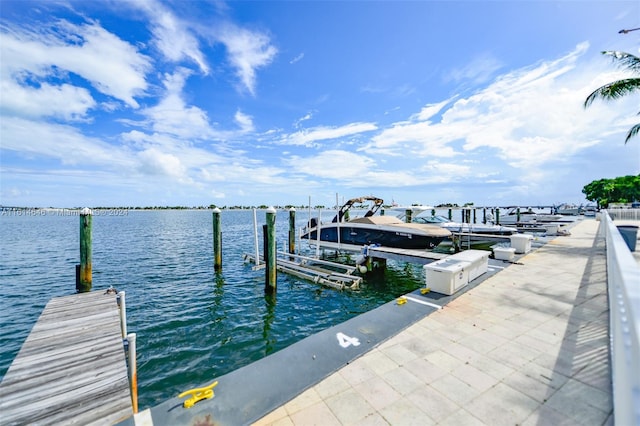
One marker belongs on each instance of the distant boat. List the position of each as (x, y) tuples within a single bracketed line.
[(527, 216), (387, 231), (568, 209)]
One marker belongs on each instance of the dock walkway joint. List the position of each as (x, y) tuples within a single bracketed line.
[(72, 367)]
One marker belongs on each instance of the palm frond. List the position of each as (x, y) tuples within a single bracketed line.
[(632, 132), (624, 59), (614, 90)]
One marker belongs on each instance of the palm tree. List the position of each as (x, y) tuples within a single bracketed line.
[(620, 88)]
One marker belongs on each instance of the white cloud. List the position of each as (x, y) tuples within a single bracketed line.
[(154, 162), (66, 102), (309, 137), (171, 115), (111, 65), (529, 116), (247, 51), (478, 71), (244, 121), (171, 35), (297, 58), (64, 143)]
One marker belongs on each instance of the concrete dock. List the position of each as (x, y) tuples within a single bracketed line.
[(527, 346)]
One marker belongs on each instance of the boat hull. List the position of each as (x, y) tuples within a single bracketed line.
[(351, 234)]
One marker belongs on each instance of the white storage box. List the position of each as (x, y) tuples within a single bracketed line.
[(479, 260), (504, 253), (447, 276), (521, 242)]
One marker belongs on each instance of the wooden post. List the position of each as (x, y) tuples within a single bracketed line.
[(497, 216), (292, 230), (407, 214), (84, 277), (518, 214), (270, 252), (450, 214), (474, 216), (217, 240), (484, 215), (133, 371), (463, 215), (433, 212)]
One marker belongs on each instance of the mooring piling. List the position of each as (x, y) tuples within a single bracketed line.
[(270, 252), (83, 271), (292, 230), (217, 240), (408, 218)]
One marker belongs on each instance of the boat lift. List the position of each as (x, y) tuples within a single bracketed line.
[(331, 274)]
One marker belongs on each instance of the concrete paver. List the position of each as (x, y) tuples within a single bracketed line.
[(527, 346)]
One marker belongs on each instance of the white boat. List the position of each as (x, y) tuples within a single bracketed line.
[(388, 231), (527, 216), (568, 209), (468, 228)]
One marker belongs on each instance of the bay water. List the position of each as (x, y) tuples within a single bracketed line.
[(192, 324)]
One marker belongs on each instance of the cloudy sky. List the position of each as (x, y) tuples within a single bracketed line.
[(145, 102)]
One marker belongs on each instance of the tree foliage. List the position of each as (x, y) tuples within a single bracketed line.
[(625, 189), (620, 88)]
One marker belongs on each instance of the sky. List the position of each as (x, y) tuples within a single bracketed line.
[(193, 103)]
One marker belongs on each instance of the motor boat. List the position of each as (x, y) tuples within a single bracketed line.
[(468, 228), (527, 216), (346, 233)]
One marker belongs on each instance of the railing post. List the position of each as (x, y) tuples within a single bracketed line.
[(133, 371), (122, 303)]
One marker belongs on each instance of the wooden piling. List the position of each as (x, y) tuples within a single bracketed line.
[(217, 240), (84, 275), (292, 230), (518, 214), (450, 214), (497, 216), (270, 252), (407, 213)]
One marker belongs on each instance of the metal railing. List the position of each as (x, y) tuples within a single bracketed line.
[(623, 279), (624, 214)]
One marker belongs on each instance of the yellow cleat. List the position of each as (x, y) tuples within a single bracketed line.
[(198, 394), (401, 300), (425, 290)]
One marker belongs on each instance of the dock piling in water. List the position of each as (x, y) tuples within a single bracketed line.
[(292, 230), (83, 271), (270, 252), (217, 240)]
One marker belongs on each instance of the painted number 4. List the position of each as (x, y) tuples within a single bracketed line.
[(346, 341)]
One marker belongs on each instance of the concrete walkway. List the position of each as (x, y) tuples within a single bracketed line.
[(528, 346)]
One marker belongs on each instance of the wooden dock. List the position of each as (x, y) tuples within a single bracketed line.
[(72, 367)]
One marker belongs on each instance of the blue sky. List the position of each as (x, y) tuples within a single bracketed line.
[(145, 102)]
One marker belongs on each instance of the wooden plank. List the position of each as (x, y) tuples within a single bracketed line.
[(72, 367)]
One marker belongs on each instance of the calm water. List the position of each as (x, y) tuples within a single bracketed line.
[(192, 324)]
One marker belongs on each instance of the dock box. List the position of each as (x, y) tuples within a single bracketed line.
[(521, 242), (504, 253), (447, 276), (479, 260)]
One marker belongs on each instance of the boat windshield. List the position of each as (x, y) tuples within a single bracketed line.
[(431, 219)]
